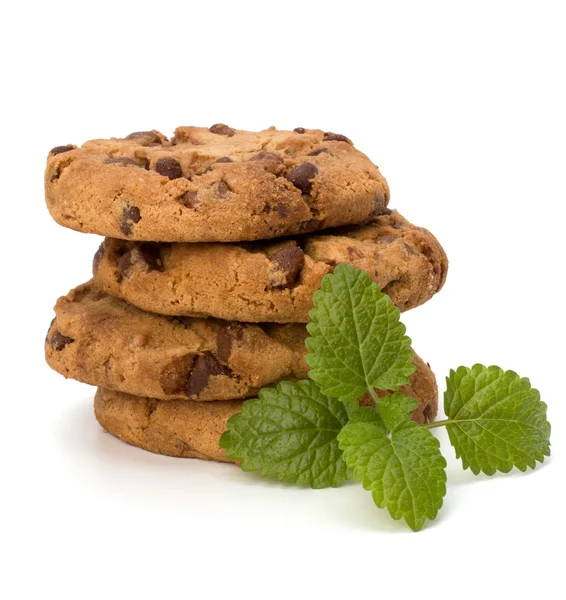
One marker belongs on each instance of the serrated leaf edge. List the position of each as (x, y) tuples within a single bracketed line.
[(405, 350), (263, 471), (453, 423)]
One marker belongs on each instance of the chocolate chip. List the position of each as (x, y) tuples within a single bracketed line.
[(181, 446), (224, 159), (318, 151), (301, 177), (189, 199), (219, 190), (175, 375), (282, 209), (221, 129), (224, 344), (299, 130), (205, 366), (61, 149), (409, 249), (224, 338), (354, 253), (58, 341), (97, 258), (125, 264), (49, 329), (387, 238), (336, 137), (169, 167), (150, 254), (331, 263), (144, 138), (398, 225), (263, 155), (310, 225), (378, 208), (126, 161), (130, 214), (290, 260), (387, 211)]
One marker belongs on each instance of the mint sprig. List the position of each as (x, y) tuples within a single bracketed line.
[(312, 432), (357, 341)]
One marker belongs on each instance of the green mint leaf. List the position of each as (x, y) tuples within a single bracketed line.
[(290, 432), (366, 415), (396, 409), (496, 420), (357, 341), (404, 470)]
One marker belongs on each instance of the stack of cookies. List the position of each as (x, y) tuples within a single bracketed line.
[(215, 243)]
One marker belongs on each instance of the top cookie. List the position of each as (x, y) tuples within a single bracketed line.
[(213, 185)]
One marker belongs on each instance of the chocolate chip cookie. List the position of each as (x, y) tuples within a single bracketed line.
[(191, 429), (271, 282), (103, 341), (213, 185)]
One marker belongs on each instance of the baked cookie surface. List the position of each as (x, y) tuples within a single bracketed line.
[(270, 282), (103, 341), (189, 429), (215, 184)]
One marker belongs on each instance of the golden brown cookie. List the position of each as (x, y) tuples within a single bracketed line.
[(271, 282), (189, 429), (213, 185), (103, 341)]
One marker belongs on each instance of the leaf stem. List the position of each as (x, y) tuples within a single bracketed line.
[(437, 424), (445, 422), (373, 395)]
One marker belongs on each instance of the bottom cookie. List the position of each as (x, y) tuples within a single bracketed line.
[(189, 429)]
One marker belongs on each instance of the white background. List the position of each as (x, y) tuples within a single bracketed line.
[(462, 106)]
